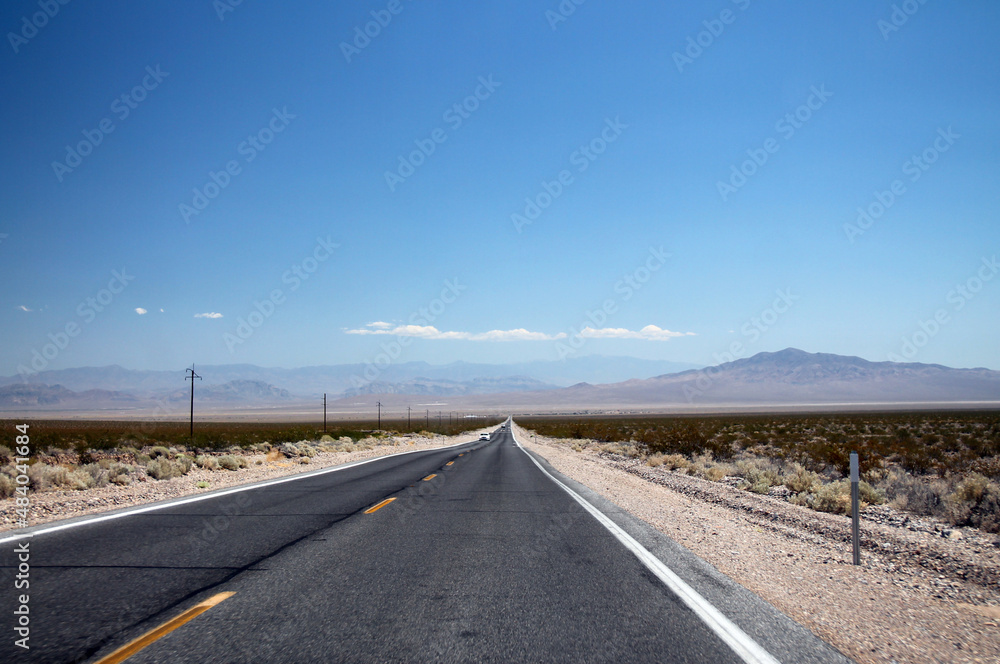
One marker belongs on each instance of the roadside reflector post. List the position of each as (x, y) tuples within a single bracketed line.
[(855, 516)]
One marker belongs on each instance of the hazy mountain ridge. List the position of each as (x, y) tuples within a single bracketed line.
[(788, 377), (426, 386), (349, 379)]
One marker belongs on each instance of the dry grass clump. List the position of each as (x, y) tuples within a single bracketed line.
[(206, 461), (973, 500), (799, 480), (165, 469), (7, 485), (232, 462), (299, 449)]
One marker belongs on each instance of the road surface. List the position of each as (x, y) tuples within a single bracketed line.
[(480, 556)]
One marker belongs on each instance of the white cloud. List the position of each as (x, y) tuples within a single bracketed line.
[(431, 332), (140, 311), (209, 315), (649, 333), (24, 308)]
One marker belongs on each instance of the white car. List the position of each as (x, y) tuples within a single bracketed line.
[(484, 436)]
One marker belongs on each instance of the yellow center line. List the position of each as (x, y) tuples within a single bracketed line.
[(449, 463), (429, 477), (462, 454), (135, 646), (375, 508)]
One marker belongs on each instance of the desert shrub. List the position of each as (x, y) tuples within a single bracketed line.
[(43, 476), (714, 473), (869, 495), (142, 459), (232, 462), (7, 485), (97, 472), (802, 499), (299, 449), (975, 502), (834, 497), (79, 479), (653, 461), (798, 479), (158, 451), (6, 454), (185, 463), (760, 474), (673, 461), (119, 474), (910, 493), (207, 462), (164, 469)]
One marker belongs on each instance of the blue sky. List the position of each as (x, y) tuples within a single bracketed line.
[(694, 202)]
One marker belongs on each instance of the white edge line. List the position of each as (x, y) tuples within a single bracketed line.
[(749, 650), (215, 494)]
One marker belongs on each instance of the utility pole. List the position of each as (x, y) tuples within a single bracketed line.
[(407, 417), (379, 404), (192, 377), (324, 412), (427, 419)]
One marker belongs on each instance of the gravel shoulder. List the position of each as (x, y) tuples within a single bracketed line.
[(48, 506), (922, 593)]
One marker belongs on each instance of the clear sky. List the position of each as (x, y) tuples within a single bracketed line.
[(497, 181)]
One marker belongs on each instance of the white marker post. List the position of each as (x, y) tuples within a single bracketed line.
[(855, 517)]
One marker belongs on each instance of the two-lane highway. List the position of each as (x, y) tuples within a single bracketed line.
[(466, 554)]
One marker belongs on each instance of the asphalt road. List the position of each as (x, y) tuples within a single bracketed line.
[(481, 557)]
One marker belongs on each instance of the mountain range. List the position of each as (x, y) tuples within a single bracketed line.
[(790, 377), (348, 379)]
